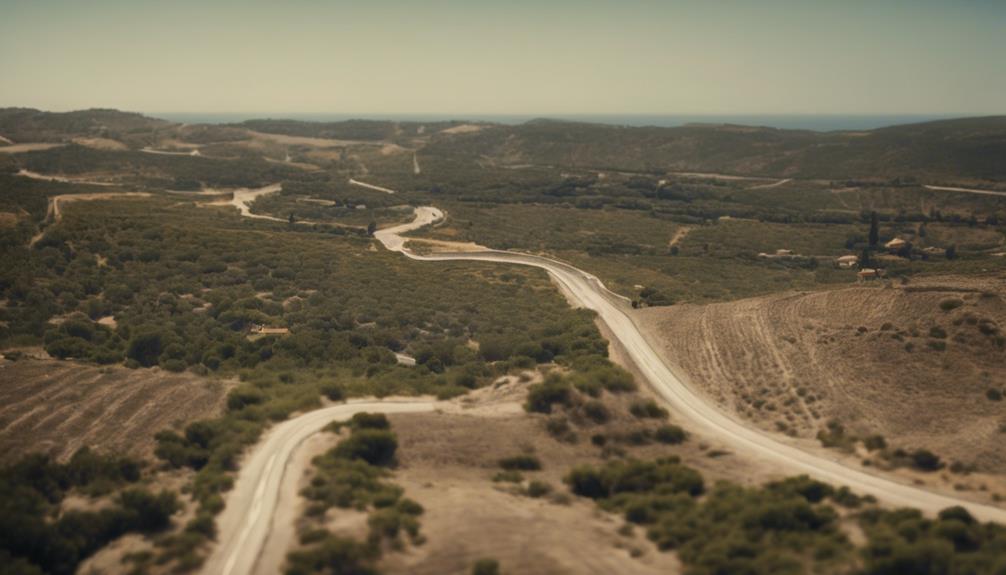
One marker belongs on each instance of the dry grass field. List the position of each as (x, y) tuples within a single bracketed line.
[(57, 407), (921, 364)]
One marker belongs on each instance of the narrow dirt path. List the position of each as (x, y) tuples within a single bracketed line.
[(353, 182)]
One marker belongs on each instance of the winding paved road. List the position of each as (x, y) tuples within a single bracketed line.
[(588, 291), (256, 526)]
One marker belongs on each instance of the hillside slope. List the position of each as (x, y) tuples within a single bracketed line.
[(970, 148), (901, 362)]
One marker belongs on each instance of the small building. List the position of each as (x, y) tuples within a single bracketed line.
[(847, 261), (896, 244), (266, 330)]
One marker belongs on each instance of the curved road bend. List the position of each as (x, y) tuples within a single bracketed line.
[(250, 522), (588, 291), (253, 537)]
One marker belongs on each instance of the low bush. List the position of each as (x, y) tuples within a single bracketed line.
[(486, 567), (670, 434), (537, 488), (648, 409), (596, 411), (520, 463), (375, 446), (541, 397), (925, 460)]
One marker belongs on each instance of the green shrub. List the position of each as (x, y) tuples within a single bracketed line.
[(596, 411), (542, 396), (648, 409), (486, 567), (670, 434), (333, 391), (925, 460), (537, 488), (521, 463), (364, 420), (335, 555), (148, 512), (875, 443), (559, 428), (951, 304), (375, 446), (508, 476)]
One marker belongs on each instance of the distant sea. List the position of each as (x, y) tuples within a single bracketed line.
[(821, 123)]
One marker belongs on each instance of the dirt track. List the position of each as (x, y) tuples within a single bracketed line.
[(255, 526)]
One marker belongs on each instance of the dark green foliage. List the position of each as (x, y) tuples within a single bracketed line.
[(520, 463), (635, 476), (145, 348), (670, 434), (541, 397), (365, 420), (781, 528), (147, 512), (486, 567), (925, 460), (537, 488), (875, 443), (596, 411), (648, 409), (902, 542), (344, 478), (336, 556), (375, 446), (35, 539)]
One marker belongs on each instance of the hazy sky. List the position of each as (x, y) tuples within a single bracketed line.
[(506, 57)]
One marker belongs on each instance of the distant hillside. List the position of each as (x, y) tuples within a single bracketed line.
[(360, 130), (966, 148), (30, 125)]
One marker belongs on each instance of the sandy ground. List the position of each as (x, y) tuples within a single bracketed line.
[(59, 406), (63, 179), (447, 462), (27, 147), (309, 142), (100, 143), (462, 129), (861, 356)]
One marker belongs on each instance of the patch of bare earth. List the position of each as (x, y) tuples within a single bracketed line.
[(57, 407), (446, 463), (900, 361)]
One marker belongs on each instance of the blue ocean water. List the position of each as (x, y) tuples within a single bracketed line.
[(821, 123)]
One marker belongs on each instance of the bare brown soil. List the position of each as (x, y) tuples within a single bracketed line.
[(447, 463), (868, 357), (57, 407)]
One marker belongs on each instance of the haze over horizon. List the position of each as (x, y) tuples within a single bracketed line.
[(595, 57)]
